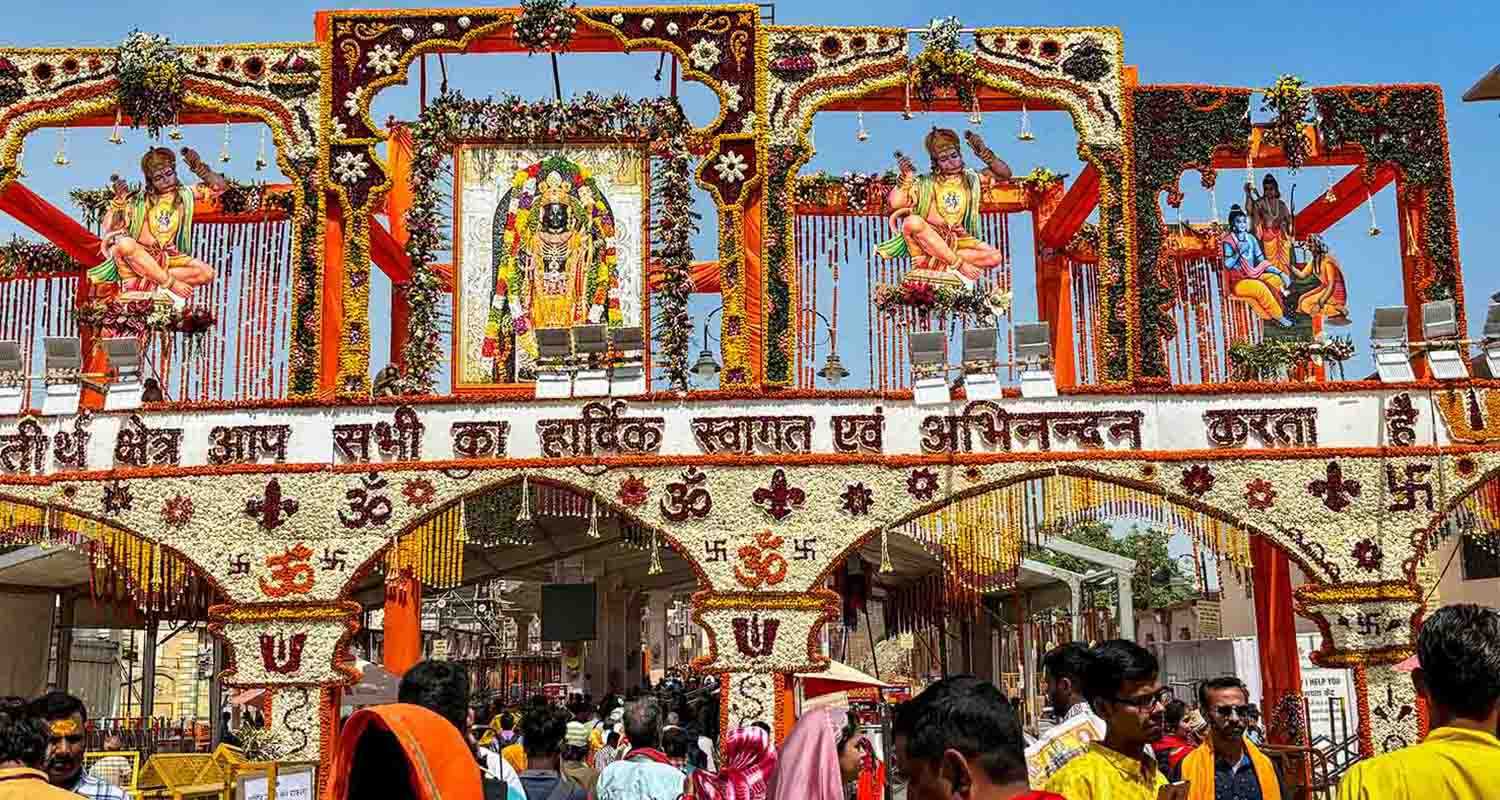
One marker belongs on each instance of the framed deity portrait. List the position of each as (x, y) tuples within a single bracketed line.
[(545, 236)]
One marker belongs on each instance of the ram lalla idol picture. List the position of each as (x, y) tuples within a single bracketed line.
[(546, 237)]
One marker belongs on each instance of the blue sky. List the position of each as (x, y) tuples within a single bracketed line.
[(1450, 44)]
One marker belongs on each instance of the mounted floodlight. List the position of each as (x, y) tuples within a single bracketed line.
[(1492, 339), (590, 343), (1034, 351), (554, 379), (981, 367), (64, 376), (12, 378), (929, 367), (124, 389), (1388, 342), (1447, 357), (833, 370), (627, 372)]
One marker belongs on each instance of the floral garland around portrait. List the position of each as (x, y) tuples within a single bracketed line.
[(452, 118), (1176, 128)]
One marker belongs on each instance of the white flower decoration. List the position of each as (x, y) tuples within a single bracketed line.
[(671, 29), (463, 22), (617, 19), (438, 27), (731, 167), (732, 97), (747, 125), (704, 55), (349, 168), (408, 34), (530, 186), (383, 58), (340, 131), (351, 103), (647, 24)]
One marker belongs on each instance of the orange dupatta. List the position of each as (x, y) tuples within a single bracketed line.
[(1198, 771), (441, 766)]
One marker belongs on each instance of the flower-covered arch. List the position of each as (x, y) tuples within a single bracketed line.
[(276, 84), (1080, 69)]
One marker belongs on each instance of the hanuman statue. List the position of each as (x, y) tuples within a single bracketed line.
[(936, 216)]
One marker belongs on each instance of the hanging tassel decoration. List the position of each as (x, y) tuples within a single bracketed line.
[(1025, 133), (593, 518), (114, 136), (906, 108), (176, 133), (1213, 204), (224, 150), (885, 551), (524, 515), (1411, 232), (260, 156), (655, 554), (1328, 193), (1374, 224), (61, 159), (21, 161), (861, 135), (975, 117)]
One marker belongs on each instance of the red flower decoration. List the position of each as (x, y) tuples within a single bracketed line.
[(42, 72), (858, 499), (178, 511), (95, 64), (70, 65), (226, 63), (1466, 466), (254, 67), (1368, 555), (201, 61), (1148, 471), (419, 492), (973, 473), (1197, 480), (1259, 495), (922, 484), (633, 491)]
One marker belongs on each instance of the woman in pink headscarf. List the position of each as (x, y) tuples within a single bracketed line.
[(749, 759), (820, 755)]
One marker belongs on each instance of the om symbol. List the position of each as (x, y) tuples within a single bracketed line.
[(290, 573), (366, 505), (761, 563), (688, 498)]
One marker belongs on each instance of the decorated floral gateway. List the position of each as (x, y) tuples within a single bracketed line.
[(280, 488)]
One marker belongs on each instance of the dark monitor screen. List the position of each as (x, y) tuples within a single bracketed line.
[(568, 612)]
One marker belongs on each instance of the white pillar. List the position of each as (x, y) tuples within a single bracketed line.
[(1127, 606)]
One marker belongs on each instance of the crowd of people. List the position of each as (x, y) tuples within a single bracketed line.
[(1116, 734)]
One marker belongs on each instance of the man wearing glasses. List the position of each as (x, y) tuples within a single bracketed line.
[(1122, 686), (1228, 766)]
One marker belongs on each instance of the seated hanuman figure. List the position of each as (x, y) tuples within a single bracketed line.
[(936, 217), (149, 235)]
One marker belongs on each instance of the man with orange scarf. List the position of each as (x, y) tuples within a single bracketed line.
[(1228, 766)]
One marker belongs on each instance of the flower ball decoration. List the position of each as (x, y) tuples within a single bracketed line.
[(545, 25)]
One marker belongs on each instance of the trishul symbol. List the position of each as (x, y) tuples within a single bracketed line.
[(755, 638), (764, 562), (272, 509), (290, 573), (280, 658)]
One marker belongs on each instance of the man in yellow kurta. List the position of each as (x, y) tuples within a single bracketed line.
[(1458, 673), (1123, 687), (148, 236)]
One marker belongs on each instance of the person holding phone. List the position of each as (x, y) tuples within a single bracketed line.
[(1123, 688), (1228, 766)]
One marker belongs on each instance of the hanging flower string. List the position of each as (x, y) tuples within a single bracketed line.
[(150, 74), (545, 25), (944, 65), (1290, 103)]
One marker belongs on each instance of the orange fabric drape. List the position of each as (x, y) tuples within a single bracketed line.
[(1275, 626), (398, 202), (754, 281), (333, 296), (45, 218), (403, 623), (442, 767)]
